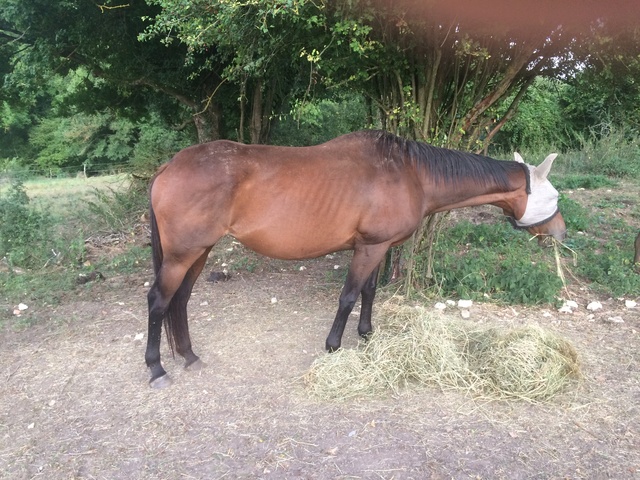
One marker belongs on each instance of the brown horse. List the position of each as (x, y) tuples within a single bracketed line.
[(366, 191)]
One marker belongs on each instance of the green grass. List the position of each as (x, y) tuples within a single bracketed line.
[(43, 229), (65, 197)]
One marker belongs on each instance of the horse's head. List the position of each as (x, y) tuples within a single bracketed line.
[(541, 215)]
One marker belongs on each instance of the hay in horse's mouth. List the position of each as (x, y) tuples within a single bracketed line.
[(414, 347)]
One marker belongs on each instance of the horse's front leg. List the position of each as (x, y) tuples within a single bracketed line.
[(368, 294), (366, 260)]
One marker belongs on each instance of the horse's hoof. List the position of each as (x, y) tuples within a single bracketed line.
[(161, 382), (195, 365), (366, 335)]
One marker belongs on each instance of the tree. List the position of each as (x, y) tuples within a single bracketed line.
[(103, 38)]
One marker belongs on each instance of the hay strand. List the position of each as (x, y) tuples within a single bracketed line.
[(413, 347)]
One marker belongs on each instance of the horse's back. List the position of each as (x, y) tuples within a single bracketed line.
[(290, 202)]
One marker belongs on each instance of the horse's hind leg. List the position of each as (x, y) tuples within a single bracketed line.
[(169, 296), (159, 297), (181, 298), (368, 294)]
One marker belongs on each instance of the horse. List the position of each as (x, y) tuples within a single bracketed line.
[(365, 191)]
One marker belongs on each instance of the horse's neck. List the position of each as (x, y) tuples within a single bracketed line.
[(468, 192)]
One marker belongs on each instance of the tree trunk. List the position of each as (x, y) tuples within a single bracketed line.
[(256, 113), (208, 123)]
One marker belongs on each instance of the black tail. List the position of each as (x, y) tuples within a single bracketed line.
[(175, 316), (156, 246)]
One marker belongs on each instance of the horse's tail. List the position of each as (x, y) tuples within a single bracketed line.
[(156, 246), (175, 316)]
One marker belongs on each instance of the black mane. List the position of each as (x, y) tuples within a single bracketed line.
[(445, 165)]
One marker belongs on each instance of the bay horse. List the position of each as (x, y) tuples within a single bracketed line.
[(365, 191)]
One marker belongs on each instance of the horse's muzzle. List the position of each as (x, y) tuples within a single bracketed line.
[(553, 228)]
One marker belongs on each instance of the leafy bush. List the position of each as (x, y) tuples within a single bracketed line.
[(117, 210), (156, 144), (26, 233), (317, 121)]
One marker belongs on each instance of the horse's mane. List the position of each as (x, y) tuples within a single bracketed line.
[(444, 165)]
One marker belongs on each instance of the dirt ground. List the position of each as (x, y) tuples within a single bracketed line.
[(75, 403)]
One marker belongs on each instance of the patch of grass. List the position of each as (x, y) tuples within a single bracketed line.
[(132, 259), (493, 262), (576, 217), (575, 181), (41, 288), (42, 240), (64, 197), (607, 265)]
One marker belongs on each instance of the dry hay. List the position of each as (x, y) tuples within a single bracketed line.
[(414, 347)]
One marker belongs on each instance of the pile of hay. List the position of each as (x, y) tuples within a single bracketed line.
[(412, 346)]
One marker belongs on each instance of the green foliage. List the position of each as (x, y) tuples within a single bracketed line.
[(606, 93), (575, 181), (36, 289), (576, 217), (155, 145), (26, 238), (314, 122), (614, 154), (607, 265), (82, 141), (118, 210), (539, 122), (495, 262)]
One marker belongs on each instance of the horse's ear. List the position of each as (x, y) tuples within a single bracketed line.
[(542, 170), (518, 158)]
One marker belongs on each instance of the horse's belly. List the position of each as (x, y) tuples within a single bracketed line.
[(295, 242)]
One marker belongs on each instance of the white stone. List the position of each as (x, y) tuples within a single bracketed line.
[(465, 313), (570, 304), (593, 306), (615, 319), (565, 309), (22, 307), (630, 303), (439, 306), (465, 303), (274, 300)]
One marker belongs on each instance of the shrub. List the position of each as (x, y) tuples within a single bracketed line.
[(26, 238)]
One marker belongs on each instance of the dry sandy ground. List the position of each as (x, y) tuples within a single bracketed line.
[(74, 400)]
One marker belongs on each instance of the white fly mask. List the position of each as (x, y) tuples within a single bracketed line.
[(542, 203)]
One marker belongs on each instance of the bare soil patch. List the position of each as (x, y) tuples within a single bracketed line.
[(74, 400)]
